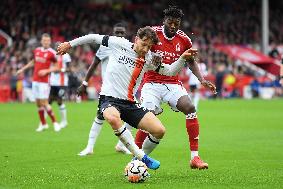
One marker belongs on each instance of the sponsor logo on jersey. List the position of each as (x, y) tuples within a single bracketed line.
[(129, 62)]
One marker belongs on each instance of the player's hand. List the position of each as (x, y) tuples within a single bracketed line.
[(42, 73), (63, 48), (81, 90), (188, 54), (281, 82), (156, 59), (209, 85)]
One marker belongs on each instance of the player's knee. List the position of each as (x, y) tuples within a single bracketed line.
[(189, 109), (159, 132), (112, 119)]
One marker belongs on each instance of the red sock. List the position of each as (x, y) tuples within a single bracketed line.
[(50, 113), (193, 130), (140, 137), (41, 115)]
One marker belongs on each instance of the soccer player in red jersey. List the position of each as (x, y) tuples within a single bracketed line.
[(160, 88), (43, 58)]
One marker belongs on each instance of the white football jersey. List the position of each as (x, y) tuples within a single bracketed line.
[(125, 69), (60, 78), (103, 53), (193, 80)]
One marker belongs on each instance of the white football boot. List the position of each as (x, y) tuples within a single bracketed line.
[(85, 152), (57, 127), (41, 127)]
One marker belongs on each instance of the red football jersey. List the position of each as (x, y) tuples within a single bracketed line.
[(42, 60), (170, 50)]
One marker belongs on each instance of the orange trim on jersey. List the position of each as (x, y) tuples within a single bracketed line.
[(62, 75), (139, 63)]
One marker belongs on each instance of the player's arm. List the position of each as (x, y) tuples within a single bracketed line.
[(53, 68), (90, 38), (82, 88), (27, 66), (174, 68), (195, 70)]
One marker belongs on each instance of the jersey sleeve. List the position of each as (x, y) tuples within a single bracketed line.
[(67, 58), (90, 38), (102, 53), (187, 40)]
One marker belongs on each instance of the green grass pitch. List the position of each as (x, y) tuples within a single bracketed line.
[(242, 140)]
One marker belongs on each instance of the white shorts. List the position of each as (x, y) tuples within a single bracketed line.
[(153, 94), (40, 90)]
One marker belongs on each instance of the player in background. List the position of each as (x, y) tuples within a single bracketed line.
[(159, 88), (281, 71), (126, 66), (195, 84), (43, 58), (59, 83), (101, 56)]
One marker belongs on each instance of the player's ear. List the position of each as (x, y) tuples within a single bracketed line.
[(136, 38)]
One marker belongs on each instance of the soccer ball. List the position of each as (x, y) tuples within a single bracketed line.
[(136, 171)]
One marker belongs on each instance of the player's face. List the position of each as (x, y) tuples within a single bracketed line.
[(142, 46), (171, 26), (119, 31), (45, 42)]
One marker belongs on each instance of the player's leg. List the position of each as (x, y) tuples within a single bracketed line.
[(62, 107), (94, 130), (44, 91), (186, 106), (179, 100), (93, 135), (151, 100), (120, 147), (42, 125), (151, 124), (35, 91), (112, 116)]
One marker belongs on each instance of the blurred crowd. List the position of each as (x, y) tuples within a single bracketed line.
[(205, 22)]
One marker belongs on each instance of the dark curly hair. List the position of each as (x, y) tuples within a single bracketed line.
[(149, 33), (174, 12)]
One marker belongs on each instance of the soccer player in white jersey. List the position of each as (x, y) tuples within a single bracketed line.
[(59, 83), (195, 84), (102, 56), (126, 66)]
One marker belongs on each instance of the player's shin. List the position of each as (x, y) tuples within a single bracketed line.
[(94, 132), (63, 112), (50, 113), (120, 147), (150, 144), (41, 115), (192, 126), (127, 139)]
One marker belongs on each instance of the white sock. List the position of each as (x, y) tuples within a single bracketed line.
[(63, 112), (94, 132), (129, 127), (196, 100), (193, 154), (149, 144), (127, 139)]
